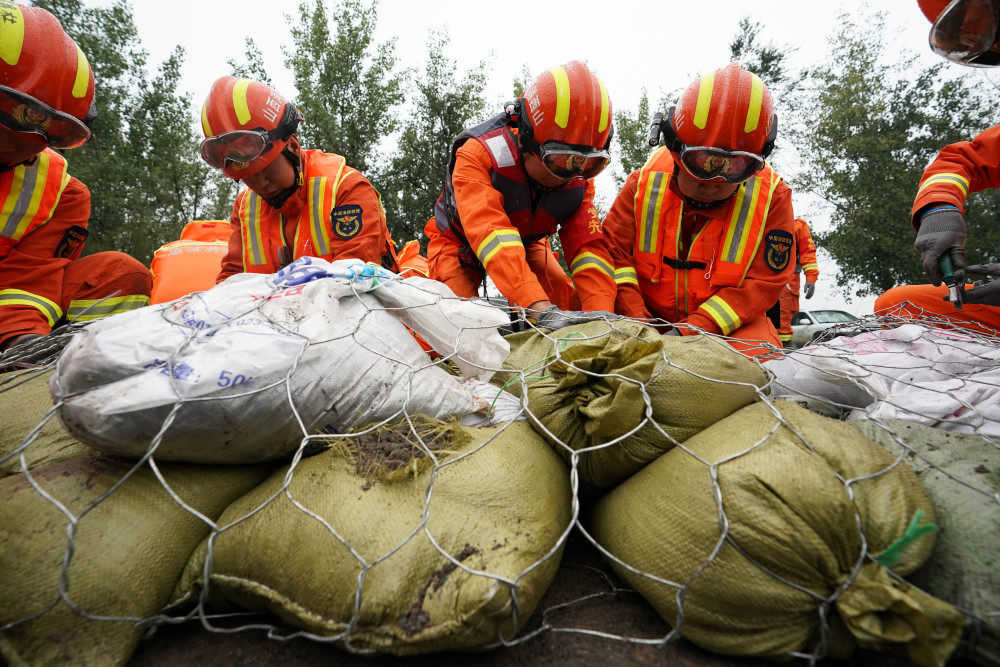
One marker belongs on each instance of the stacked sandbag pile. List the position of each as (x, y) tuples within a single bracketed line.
[(759, 537), (962, 475), (618, 395), (396, 544), (91, 546)]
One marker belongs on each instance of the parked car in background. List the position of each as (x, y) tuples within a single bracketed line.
[(809, 325)]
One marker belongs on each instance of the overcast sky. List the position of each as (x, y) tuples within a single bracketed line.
[(660, 46)]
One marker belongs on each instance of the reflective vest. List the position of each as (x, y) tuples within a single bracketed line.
[(30, 194), (720, 254), (191, 263), (508, 177), (262, 226)]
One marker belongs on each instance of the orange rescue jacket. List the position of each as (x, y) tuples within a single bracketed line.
[(191, 263)]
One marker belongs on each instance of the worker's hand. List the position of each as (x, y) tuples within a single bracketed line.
[(19, 352), (942, 230), (554, 317), (810, 289), (673, 331), (987, 294)]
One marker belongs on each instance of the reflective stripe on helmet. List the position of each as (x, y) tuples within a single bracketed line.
[(605, 107), (11, 34), (82, 82), (562, 96), (705, 89), (756, 100), (240, 103), (205, 127)]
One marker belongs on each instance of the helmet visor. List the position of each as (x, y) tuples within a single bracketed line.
[(239, 147), (23, 114), (707, 163), (966, 32), (569, 160)]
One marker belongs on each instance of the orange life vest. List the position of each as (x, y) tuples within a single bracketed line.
[(191, 263), (29, 195), (411, 262)]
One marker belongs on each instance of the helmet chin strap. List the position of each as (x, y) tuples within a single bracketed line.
[(278, 200)]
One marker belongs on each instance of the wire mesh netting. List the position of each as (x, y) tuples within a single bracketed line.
[(368, 464)]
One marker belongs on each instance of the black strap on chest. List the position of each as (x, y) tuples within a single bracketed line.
[(683, 265)]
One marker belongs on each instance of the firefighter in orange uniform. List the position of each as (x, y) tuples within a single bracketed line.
[(702, 235), (805, 261), (515, 180), (192, 262), (966, 33), (298, 203), (46, 103)]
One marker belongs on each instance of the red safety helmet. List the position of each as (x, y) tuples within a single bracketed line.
[(964, 31), (46, 84), (247, 124), (564, 117)]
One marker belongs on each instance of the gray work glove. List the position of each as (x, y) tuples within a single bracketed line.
[(987, 294), (942, 230), (22, 353), (810, 290), (554, 317)]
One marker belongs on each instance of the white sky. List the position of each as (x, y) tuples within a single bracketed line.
[(630, 44)]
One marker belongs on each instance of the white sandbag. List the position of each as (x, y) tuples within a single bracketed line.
[(244, 371)]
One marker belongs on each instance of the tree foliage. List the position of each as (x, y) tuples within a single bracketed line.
[(631, 140), (142, 165), (444, 104), (347, 85), (871, 128)]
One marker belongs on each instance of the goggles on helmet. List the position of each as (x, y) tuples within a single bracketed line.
[(707, 163), (965, 32), (23, 114), (569, 160), (243, 146)]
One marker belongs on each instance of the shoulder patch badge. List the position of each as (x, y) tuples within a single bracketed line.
[(778, 249), (72, 242), (346, 221)]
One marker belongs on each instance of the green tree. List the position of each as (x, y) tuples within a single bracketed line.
[(631, 140), (871, 127), (142, 165), (347, 86), (446, 102), (253, 68)]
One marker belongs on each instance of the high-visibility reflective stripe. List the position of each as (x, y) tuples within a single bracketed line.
[(588, 260), (206, 128), (562, 96), (16, 297), (11, 33), (94, 309), (704, 101), (756, 102), (240, 103), (167, 247), (652, 203), (739, 231), (626, 276), (784, 338), (320, 231), (810, 267), (605, 108), (26, 193), (492, 243), (951, 179), (82, 81), (255, 237), (722, 313)]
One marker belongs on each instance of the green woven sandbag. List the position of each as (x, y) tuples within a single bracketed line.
[(26, 401), (962, 475), (591, 385), (499, 504), (128, 551), (754, 527)]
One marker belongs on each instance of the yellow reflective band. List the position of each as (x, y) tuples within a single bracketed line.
[(314, 202), (588, 260), (605, 107), (11, 33), (256, 237), (722, 314), (205, 127), (495, 241), (82, 75), (626, 276), (562, 96), (950, 179), (94, 309), (810, 267), (756, 102), (704, 101), (48, 308), (240, 103), (785, 338)]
